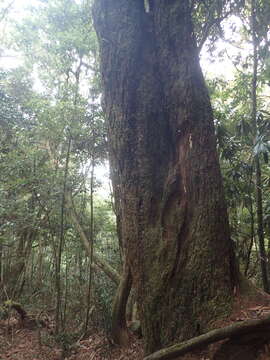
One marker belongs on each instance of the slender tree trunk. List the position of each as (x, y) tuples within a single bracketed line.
[(17, 271), (164, 168), (262, 252), (90, 268), (252, 235), (66, 293), (1, 264), (258, 179), (80, 266), (119, 325), (31, 270), (60, 246), (40, 263), (101, 263)]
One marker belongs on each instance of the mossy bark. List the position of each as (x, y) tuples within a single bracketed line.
[(164, 168)]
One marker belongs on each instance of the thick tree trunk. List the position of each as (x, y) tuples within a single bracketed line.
[(164, 166)]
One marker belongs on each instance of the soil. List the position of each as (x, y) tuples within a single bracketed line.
[(20, 343)]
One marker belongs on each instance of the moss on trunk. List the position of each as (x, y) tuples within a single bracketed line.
[(164, 168)]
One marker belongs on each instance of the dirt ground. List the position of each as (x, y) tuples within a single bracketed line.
[(19, 343), (25, 344)]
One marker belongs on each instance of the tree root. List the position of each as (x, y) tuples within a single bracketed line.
[(11, 305), (27, 321), (241, 328)]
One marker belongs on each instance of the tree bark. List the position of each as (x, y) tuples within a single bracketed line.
[(232, 331), (90, 267), (164, 168), (58, 287)]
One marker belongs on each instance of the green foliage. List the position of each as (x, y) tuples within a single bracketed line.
[(208, 16), (58, 38), (59, 49), (241, 140)]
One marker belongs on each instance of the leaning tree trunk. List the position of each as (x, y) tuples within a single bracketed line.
[(164, 167), (119, 323)]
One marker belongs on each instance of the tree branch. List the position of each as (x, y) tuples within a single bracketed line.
[(99, 262)]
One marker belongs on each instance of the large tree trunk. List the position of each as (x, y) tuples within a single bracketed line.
[(165, 170)]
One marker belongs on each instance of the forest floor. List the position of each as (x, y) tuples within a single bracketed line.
[(20, 343), (24, 344)]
